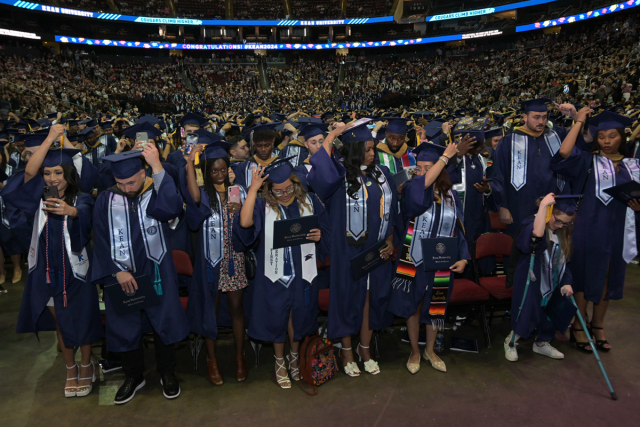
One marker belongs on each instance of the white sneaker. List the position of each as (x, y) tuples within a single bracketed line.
[(510, 353), (547, 349)]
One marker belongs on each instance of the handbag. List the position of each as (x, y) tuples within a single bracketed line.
[(250, 265), (317, 363)]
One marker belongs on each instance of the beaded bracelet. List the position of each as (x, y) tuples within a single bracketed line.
[(443, 160)]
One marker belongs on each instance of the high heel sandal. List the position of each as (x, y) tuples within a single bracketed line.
[(84, 390), (71, 391), (370, 365), (350, 368), (599, 343), (295, 372), (214, 372), (17, 276), (580, 345), (283, 380), (438, 366)]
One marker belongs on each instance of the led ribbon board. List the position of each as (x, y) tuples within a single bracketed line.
[(187, 21), (487, 11), (276, 46)]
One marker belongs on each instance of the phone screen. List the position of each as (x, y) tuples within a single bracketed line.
[(190, 142), (142, 137), (234, 194)]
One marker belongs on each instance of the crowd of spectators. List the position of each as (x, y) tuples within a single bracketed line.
[(596, 65)]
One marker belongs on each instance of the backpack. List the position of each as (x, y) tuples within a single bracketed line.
[(317, 362)]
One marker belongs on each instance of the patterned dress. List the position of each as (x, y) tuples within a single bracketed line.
[(232, 276)]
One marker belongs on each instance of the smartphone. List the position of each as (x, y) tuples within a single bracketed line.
[(182, 133), (487, 180), (190, 142), (142, 137), (50, 191), (234, 194)]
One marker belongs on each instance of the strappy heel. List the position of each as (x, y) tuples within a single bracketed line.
[(283, 380), (350, 368), (86, 389), (295, 372), (600, 344), (72, 391), (580, 345), (370, 365)]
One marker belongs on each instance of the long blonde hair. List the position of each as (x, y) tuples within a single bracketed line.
[(564, 234), (299, 193)]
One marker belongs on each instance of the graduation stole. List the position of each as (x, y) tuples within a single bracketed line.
[(275, 259), (552, 269), (461, 188), (213, 231), (357, 211), (387, 158), (411, 255), (120, 235), (3, 214), (294, 148), (519, 156), (101, 151), (79, 262), (630, 248)]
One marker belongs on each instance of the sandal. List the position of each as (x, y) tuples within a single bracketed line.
[(71, 391), (295, 372), (370, 365), (600, 344), (581, 345), (283, 380), (84, 390), (350, 368)]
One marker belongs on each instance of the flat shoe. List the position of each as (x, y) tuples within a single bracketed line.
[(17, 276), (438, 366), (413, 367)]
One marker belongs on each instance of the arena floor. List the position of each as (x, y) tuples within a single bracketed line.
[(480, 389)]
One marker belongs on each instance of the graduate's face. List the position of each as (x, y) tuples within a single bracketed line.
[(423, 167), (218, 172), (609, 141), (560, 220), (263, 149), (283, 192), (19, 146), (55, 176), (131, 187), (395, 141), (535, 121), (369, 153), (494, 142), (314, 144), (190, 128), (242, 152)]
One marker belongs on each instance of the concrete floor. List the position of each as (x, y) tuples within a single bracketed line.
[(479, 389)]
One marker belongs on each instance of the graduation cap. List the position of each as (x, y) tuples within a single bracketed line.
[(192, 119), (126, 164), (33, 139), (216, 150), (609, 120), (434, 129), (327, 115), (382, 134), (421, 114), (567, 203), (152, 131), (59, 157), (72, 123), (538, 105), (279, 171), (84, 122), (52, 115), (494, 131), (86, 131), (148, 119), (206, 137), (474, 126), (246, 132), (277, 117), (44, 122), (314, 130), (359, 132), (396, 125), (92, 123), (106, 125), (428, 152), (315, 120)]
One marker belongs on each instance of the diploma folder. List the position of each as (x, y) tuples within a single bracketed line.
[(368, 260), (145, 296), (440, 253), (293, 232), (400, 178), (625, 192)]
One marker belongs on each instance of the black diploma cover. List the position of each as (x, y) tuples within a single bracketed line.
[(145, 296), (440, 253), (293, 232), (400, 178), (625, 192), (368, 260)]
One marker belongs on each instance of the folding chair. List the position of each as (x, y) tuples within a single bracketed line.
[(184, 267), (467, 296)]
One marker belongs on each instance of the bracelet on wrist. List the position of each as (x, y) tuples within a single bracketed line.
[(444, 161)]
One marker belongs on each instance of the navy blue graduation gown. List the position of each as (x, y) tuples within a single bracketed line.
[(540, 179), (168, 318), (301, 171), (297, 150), (203, 287), (598, 231), (234, 163), (416, 200), (9, 242), (96, 154), (176, 158), (532, 316), (273, 302), (244, 171), (348, 296), (79, 321)]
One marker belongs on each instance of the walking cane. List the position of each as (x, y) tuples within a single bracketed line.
[(530, 277), (614, 396)]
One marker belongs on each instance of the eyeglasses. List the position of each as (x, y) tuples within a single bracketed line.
[(278, 193), (561, 223)]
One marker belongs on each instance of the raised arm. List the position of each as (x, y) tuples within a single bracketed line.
[(433, 173), (36, 160), (570, 140), (540, 222), (192, 183), (328, 141), (246, 213)]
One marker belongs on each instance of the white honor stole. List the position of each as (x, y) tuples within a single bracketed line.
[(630, 247), (79, 262), (520, 157), (100, 150), (120, 235), (425, 222), (357, 209), (548, 282), (213, 232), (274, 258), (462, 186)]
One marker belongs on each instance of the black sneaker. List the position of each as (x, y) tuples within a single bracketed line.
[(109, 365), (128, 390), (170, 386)]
